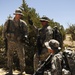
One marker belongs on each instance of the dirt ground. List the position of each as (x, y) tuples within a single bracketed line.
[(3, 72), (68, 42)]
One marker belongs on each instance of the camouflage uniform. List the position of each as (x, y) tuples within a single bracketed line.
[(58, 36), (14, 34), (51, 59), (44, 35), (69, 59)]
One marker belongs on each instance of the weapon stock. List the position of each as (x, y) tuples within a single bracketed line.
[(40, 70)]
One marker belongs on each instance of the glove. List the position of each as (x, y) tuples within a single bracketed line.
[(30, 21)]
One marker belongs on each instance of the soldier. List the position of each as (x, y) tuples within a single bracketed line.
[(44, 35), (53, 48), (15, 30)]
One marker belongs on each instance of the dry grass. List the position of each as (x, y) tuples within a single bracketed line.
[(68, 42)]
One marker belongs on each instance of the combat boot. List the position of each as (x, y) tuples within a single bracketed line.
[(8, 74), (20, 74)]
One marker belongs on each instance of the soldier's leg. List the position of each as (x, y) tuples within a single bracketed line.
[(36, 62), (21, 56), (10, 60)]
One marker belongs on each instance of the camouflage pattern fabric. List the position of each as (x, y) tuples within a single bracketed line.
[(15, 30), (70, 55), (13, 47), (45, 33), (56, 64), (14, 34)]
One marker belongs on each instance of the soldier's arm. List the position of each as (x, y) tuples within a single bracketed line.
[(49, 34), (4, 30), (25, 29), (49, 48)]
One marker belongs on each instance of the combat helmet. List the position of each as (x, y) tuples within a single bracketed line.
[(44, 18), (54, 43), (18, 11)]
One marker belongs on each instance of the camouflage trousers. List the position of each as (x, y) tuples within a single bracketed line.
[(18, 47), (38, 58)]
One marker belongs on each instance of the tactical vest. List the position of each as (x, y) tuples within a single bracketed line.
[(45, 34), (14, 30)]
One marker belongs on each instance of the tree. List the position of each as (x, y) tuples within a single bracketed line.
[(1, 40), (71, 30)]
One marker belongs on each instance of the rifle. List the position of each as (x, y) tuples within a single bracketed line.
[(40, 70), (5, 45), (5, 40), (39, 45), (25, 40)]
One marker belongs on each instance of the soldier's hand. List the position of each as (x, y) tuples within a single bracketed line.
[(30, 21)]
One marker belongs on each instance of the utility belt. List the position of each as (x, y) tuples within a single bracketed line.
[(9, 35), (12, 37)]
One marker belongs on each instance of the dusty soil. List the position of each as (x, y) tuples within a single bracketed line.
[(68, 42), (3, 72)]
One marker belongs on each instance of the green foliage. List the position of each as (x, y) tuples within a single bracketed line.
[(71, 30), (2, 57), (30, 12), (1, 39)]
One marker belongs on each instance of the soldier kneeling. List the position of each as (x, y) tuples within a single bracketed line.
[(52, 47)]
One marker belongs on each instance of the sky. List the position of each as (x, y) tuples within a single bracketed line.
[(61, 11)]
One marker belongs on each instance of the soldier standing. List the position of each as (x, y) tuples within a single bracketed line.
[(14, 31), (44, 35)]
